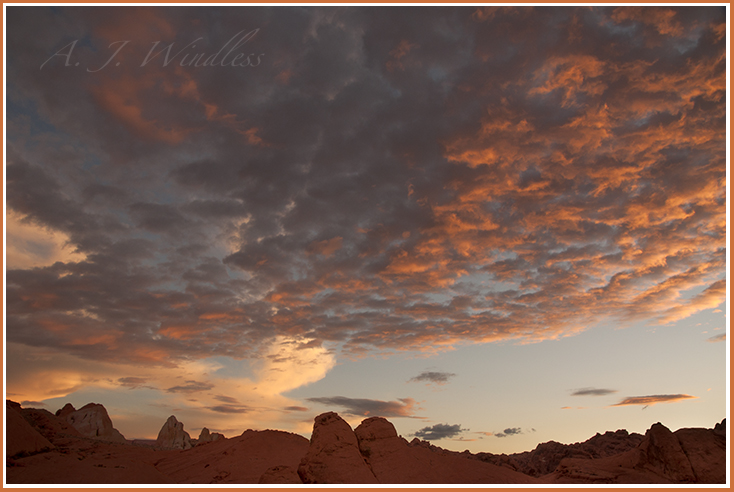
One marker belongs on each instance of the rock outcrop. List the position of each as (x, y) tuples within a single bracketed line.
[(546, 457), (92, 421), (21, 439), (333, 456), (237, 460), (393, 460), (686, 456), (173, 436), (206, 436)]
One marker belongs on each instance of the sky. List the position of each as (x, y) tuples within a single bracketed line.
[(494, 226)]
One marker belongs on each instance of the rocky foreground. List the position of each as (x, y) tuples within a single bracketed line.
[(82, 446)]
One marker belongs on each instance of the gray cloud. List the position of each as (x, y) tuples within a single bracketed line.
[(229, 409), (403, 407), (433, 377), (432, 141), (190, 387), (593, 392), (717, 338), (511, 431), (439, 431), (133, 382)]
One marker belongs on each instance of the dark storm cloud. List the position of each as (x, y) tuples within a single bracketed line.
[(510, 431), (362, 406), (593, 392), (433, 377), (190, 387), (386, 179), (439, 431)]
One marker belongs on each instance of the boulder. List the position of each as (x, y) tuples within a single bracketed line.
[(173, 436), (21, 439), (333, 455), (92, 421)]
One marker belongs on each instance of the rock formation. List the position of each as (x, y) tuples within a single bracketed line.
[(92, 421), (173, 436), (206, 436), (21, 439), (43, 448), (685, 456), (333, 455), (548, 455), (393, 460), (241, 459)]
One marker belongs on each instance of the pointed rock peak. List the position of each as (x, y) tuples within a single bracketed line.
[(173, 436), (204, 435), (66, 410)]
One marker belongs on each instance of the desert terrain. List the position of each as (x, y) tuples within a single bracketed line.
[(82, 446)]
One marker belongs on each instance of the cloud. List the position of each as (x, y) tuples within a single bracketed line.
[(717, 338), (593, 392), (450, 187), (511, 431), (439, 431), (652, 399), (133, 382), (432, 377), (190, 387), (296, 408), (229, 409), (403, 407), (32, 404)]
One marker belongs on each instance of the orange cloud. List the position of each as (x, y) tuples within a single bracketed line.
[(652, 399)]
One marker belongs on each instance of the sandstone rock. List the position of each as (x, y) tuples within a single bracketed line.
[(280, 474), (206, 436), (173, 436), (720, 429), (48, 425), (392, 460), (548, 455), (92, 421), (238, 460), (706, 452), (333, 455), (65, 410), (21, 439), (663, 453)]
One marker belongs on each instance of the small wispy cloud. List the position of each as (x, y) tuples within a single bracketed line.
[(717, 338), (363, 406), (652, 399), (190, 387), (432, 377), (593, 392)]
